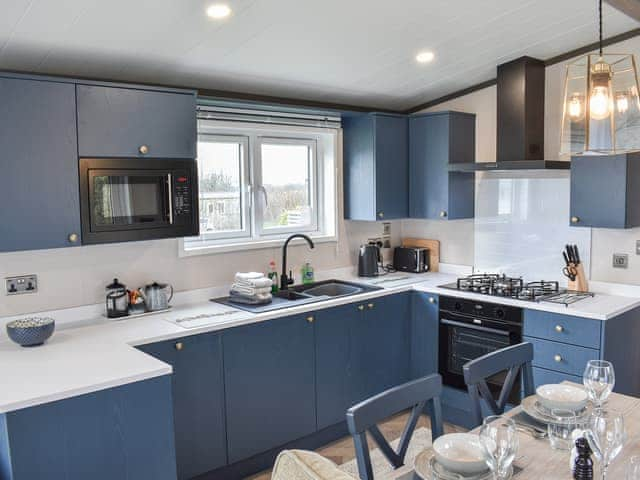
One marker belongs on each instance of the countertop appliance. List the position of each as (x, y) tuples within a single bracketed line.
[(469, 329), (117, 300), (497, 285), (411, 259), (369, 260), (137, 199)]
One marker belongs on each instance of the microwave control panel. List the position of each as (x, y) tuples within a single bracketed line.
[(181, 195)]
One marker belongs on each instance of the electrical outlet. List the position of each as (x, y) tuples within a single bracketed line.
[(637, 247), (620, 260), (22, 284)]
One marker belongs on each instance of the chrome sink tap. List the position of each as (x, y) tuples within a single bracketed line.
[(285, 280)]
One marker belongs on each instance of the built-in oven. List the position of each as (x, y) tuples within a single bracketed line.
[(137, 199), (470, 329)]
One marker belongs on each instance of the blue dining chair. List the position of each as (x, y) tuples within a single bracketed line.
[(513, 360), (367, 414)]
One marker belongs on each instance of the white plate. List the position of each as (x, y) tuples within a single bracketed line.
[(427, 467), (532, 407), (565, 397), (460, 453)]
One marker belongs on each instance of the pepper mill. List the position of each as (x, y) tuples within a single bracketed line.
[(583, 469)]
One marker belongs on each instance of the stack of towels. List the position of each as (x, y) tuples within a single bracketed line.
[(251, 288)]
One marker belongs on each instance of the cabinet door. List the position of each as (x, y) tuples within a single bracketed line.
[(39, 164), (269, 385), (338, 361), (392, 167), (117, 122), (383, 345), (198, 401), (424, 334)]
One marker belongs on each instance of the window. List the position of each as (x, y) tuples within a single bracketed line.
[(260, 183)]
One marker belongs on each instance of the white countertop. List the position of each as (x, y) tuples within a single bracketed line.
[(101, 354)]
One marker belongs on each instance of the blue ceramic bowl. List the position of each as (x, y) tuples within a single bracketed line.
[(30, 332)]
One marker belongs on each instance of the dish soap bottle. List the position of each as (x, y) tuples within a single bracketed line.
[(273, 276), (307, 273)]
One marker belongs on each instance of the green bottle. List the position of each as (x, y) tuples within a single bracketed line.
[(273, 275), (307, 273)]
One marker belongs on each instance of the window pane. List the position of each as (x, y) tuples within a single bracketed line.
[(220, 174), (286, 178)]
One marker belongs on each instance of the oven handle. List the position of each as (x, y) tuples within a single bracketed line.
[(452, 323), (170, 192)]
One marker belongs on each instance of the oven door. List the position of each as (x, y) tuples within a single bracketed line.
[(463, 338)]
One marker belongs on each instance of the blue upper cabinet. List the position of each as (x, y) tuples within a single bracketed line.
[(128, 122), (269, 384), (361, 350), (198, 401), (39, 164), (437, 140), (605, 191), (376, 167)]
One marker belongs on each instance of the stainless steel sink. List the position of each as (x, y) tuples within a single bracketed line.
[(332, 289)]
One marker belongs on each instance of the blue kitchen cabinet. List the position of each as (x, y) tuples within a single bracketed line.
[(132, 122), (605, 190), (269, 384), (361, 349), (376, 166), (119, 433), (198, 401), (436, 141), (424, 334), (39, 196)]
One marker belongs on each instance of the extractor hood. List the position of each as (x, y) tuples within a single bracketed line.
[(520, 120)]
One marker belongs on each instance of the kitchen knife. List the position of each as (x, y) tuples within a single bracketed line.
[(577, 255), (569, 253), (566, 258)]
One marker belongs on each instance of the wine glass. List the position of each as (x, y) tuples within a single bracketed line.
[(633, 468), (606, 436), (499, 440), (599, 379)]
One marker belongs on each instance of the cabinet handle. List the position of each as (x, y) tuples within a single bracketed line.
[(443, 214), (380, 214), (559, 328), (310, 319), (361, 307), (144, 149), (575, 219), (557, 358), (370, 306), (432, 300), (179, 346), (73, 237)]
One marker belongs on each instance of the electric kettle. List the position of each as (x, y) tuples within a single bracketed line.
[(156, 297), (369, 259)]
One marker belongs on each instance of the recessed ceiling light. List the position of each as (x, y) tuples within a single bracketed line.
[(219, 10), (425, 57)]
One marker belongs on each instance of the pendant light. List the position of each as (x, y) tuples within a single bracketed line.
[(601, 109)]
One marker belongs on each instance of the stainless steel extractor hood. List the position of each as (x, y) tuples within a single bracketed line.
[(520, 120)]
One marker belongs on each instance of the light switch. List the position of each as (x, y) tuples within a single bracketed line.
[(620, 260), (637, 247)]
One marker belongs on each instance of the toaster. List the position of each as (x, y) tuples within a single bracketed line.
[(408, 259)]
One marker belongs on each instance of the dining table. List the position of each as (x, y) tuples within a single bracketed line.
[(538, 461)]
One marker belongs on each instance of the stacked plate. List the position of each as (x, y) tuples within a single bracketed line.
[(557, 397), (456, 456)]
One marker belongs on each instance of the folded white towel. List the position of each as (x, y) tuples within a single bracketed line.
[(257, 283), (246, 290), (257, 296), (249, 275)]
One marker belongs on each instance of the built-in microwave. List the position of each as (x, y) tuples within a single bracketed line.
[(127, 199)]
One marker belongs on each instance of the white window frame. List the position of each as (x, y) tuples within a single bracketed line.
[(325, 175)]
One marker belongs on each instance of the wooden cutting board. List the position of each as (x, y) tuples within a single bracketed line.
[(432, 245)]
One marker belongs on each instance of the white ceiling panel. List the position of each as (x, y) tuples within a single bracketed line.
[(358, 52)]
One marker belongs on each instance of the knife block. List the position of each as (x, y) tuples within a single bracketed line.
[(580, 284)]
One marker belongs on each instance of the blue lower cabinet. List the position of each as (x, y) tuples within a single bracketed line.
[(542, 376), (424, 334), (198, 401), (561, 357), (361, 350), (120, 433), (269, 384)]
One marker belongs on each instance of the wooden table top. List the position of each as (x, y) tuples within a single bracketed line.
[(540, 462)]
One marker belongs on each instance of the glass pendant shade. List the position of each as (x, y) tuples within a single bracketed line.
[(601, 111)]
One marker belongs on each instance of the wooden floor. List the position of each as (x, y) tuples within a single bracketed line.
[(342, 451)]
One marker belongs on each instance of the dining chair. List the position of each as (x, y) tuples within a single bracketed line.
[(366, 415), (513, 360)]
